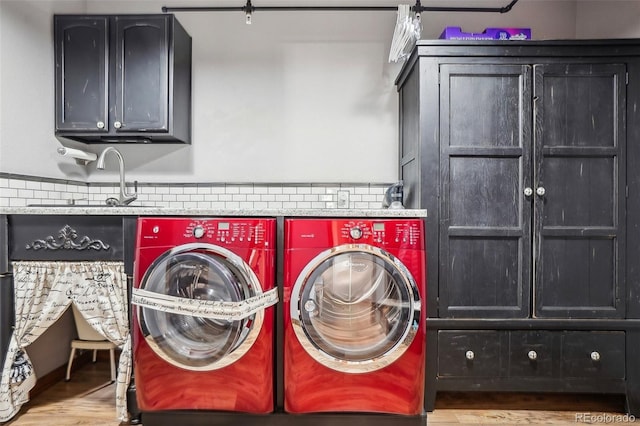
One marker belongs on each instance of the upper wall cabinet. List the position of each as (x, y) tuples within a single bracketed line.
[(124, 78)]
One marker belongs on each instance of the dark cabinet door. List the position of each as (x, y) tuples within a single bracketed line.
[(532, 165), (82, 52), (580, 170), (140, 77), (485, 223)]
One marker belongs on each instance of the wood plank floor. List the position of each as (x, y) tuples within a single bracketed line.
[(88, 399)]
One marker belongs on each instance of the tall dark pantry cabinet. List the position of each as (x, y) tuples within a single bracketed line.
[(526, 155)]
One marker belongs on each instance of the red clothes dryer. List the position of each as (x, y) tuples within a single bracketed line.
[(203, 319), (354, 320)]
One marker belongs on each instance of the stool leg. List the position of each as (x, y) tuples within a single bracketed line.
[(73, 352), (113, 364)]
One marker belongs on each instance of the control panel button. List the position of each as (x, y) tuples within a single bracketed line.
[(198, 232), (355, 232)]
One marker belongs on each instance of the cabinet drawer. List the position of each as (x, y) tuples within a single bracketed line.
[(470, 353), (41, 237), (591, 354), (532, 353)]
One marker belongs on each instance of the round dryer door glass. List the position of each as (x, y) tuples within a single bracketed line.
[(200, 272), (355, 308)]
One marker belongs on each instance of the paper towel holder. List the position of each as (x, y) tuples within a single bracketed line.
[(82, 157)]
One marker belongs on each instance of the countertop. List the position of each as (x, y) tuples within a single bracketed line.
[(169, 211)]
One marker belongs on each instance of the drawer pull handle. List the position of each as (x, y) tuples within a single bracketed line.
[(595, 356), (532, 355), (470, 355)]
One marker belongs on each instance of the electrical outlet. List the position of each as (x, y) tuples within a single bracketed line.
[(343, 199)]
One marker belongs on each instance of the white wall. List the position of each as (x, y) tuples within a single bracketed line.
[(622, 19), (295, 97)]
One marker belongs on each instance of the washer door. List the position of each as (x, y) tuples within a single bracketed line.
[(204, 272), (355, 308)]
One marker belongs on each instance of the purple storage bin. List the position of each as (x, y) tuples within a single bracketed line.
[(456, 33)]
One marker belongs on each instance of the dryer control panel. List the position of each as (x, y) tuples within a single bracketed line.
[(405, 233), (232, 232)]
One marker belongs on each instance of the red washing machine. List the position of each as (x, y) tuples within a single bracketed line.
[(354, 326), (186, 267)]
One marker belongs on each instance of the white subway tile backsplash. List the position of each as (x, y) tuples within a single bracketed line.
[(190, 190), (25, 193), (289, 190), (303, 190), (33, 185), (8, 193), (18, 191)]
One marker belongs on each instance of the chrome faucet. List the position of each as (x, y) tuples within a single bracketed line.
[(125, 197)]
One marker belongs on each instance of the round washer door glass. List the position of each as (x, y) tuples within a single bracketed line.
[(355, 308), (201, 272)]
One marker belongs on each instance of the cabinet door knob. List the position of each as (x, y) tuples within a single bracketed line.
[(469, 355), (100, 124), (528, 192), (541, 191), (117, 124), (532, 355), (595, 356)]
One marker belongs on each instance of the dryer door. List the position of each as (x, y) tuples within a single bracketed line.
[(200, 272), (355, 308)]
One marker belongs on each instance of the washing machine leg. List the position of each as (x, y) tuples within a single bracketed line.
[(132, 404)]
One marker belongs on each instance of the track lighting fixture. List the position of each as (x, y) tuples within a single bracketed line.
[(248, 10)]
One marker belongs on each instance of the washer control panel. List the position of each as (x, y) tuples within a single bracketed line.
[(406, 233), (225, 232), (236, 232)]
